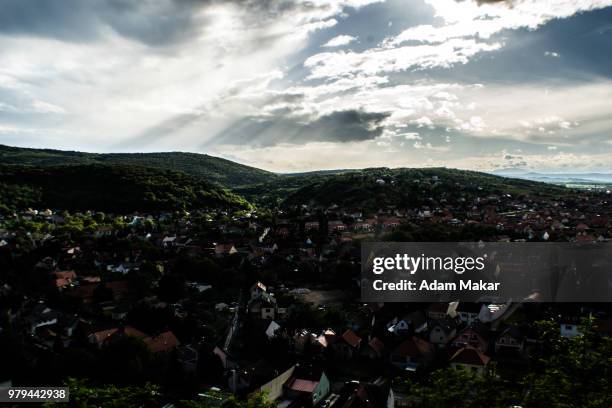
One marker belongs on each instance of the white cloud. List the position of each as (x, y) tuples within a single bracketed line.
[(339, 41), (46, 107), (116, 87), (382, 60)]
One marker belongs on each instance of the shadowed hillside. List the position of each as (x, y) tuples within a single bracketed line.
[(118, 188), (214, 169), (374, 188)]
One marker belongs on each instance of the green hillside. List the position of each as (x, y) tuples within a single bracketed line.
[(214, 169), (373, 188), (115, 188)]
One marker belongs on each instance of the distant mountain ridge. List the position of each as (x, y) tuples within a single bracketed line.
[(210, 168), (549, 177)]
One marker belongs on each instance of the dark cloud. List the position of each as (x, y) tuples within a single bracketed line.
[(155, 23), (340, 126), (152, 23)]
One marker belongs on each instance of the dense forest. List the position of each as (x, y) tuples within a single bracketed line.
[(213, 169), (116, 188)]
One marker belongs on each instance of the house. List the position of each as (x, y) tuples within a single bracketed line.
[(312, 391), (274, 388), (168, 242), (468, 312), (442, 332), (415, 321), (376, 394), (363, 226), (473, 337), (348, 345), (391, 223), (225, 250), (396, 326), (272, 328), (122, 268), (470, 359), (64, 278), (336, 226), (263, 307), (311, 225), (41, 316), (257, 290), (103, 337), (412, 353), (511, 339), (569, 327)]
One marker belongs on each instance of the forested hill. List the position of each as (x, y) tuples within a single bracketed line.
[(214, 169), (114, 188), (374, 188)]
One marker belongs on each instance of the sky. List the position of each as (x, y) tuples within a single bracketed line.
[(298, 85)]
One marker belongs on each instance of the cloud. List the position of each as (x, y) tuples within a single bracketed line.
[(249, 79), (152, 23), (338, 127), (386, 60), (464, 33), (162, 23), (339, 41)]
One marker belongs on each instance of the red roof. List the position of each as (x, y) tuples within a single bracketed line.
[(469, 355), (303, 385), (414, 347), (130, 331), (102, 335), (65, 275), (351, 338), (164, 342), (224, 248), (64, 278)]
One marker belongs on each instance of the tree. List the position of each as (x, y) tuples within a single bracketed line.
[(257, 400), (452, 388), (110, 396), (574, 372)]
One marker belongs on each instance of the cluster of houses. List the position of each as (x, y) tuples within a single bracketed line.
[(342, 365)]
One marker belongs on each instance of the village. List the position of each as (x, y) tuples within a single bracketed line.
[(217, 303)]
